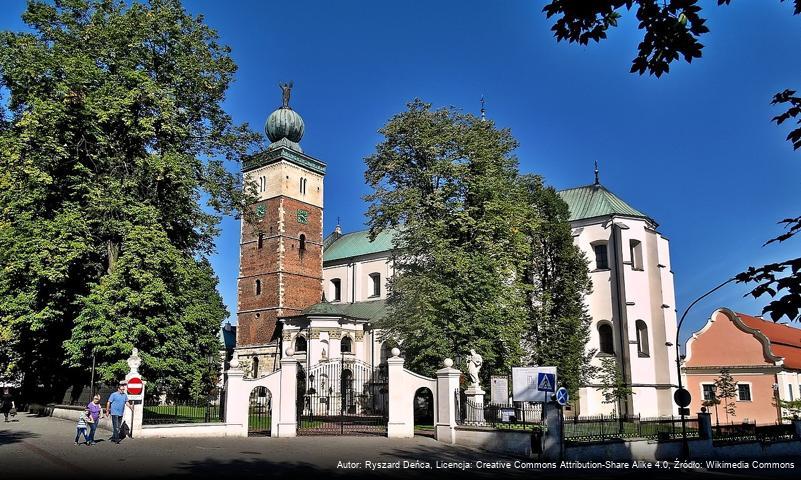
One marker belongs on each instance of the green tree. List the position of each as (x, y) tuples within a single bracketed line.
[(446, 182), (113, 134), (613, 386), (726, 392), (484, 257), (558, 328), (672, 30)]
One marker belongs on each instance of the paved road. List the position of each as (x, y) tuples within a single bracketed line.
[(42, 448)]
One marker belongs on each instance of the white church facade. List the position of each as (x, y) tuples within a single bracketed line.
[(632, 303)]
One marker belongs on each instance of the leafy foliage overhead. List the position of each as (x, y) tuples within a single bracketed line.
[(672, 31)]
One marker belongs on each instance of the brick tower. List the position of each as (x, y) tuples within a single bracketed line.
[(281, 252)]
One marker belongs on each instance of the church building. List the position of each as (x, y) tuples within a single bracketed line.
[(324, 297)]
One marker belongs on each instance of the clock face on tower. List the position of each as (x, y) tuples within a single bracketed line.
[(303, 216), (260, 210)]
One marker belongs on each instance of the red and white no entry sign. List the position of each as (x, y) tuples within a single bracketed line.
[(134, 386)]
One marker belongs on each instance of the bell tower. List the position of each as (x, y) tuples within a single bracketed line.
[(281, 247)]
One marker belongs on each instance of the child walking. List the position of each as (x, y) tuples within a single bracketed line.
[(83, 420)]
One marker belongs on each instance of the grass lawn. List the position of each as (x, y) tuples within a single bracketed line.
[(162, 414)]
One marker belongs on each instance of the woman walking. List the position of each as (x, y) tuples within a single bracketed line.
[(95, 411)]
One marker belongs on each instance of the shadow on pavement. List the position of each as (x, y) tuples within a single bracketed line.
[(15, 436), (211, 468)]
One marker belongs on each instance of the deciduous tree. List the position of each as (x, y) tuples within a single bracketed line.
[(113, 135)]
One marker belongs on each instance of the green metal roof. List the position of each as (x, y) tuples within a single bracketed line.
[(373, 310), (592, 201), (357, 243)]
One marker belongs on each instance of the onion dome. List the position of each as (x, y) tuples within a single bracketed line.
[(284, 123)]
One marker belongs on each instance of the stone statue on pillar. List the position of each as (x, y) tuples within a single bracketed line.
[(474, 362), (134, 361)]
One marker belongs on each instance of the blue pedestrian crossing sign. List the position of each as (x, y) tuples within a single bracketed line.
[(546, 382), (562, 396)]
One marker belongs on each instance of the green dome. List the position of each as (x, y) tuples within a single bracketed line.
[(284, 123)]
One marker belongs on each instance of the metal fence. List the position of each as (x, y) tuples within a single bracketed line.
[(601, 428), (751, 432), (203, 410), (514, 416)]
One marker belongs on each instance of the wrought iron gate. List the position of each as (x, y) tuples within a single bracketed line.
[(259, 420), (343, 397)]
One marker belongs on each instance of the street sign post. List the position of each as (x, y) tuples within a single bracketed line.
[(135, 388), (533, 384), (562, 397), (682, 397)]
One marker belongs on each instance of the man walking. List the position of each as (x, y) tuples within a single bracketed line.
[(116, 407)]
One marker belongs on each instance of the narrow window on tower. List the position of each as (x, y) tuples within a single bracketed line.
[(605, 339), (261, 240), (255, 367), (302, 242), (642, 339), (303, 186), (258, 287), (635, 246), (336, 286)]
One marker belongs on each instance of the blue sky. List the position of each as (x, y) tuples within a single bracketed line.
[(695, 149)]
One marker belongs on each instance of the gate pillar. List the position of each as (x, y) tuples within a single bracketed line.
[(236, 415), (400, 423), (447, 392), (287, 425)]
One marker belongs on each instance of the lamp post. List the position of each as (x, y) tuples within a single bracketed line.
[(685, 447), (92, 381)]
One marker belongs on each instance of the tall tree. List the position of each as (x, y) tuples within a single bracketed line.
[(114, 133), (558, 328), (483, 257), (672, 30), (446, 182)]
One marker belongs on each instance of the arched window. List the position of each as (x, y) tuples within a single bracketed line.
[(642, 338), (255, 367), (605, 339), (347, 345), (601, 256), (261, 240), (258, 287), (302, 242), (336, 290), (635, 246), (300, 345), (375, 284), (303, 186)]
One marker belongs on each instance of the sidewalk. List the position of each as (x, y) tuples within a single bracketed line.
[(43, 448)]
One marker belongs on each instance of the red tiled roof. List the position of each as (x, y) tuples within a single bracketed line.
[(785, 341)]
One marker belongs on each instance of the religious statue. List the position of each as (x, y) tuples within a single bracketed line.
[(474, 362), (286, 91), (134, 361)]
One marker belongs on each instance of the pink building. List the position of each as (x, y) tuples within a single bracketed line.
[(763, 357)]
